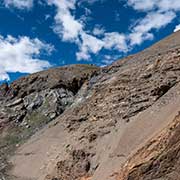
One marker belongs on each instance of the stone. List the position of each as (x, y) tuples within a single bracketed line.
[(15, 103)]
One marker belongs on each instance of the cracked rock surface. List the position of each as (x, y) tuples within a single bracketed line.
[(99, 120)]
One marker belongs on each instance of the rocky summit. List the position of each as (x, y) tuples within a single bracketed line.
[(82, 122)]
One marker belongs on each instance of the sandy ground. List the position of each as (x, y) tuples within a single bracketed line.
[(38, 156), (135, 134)]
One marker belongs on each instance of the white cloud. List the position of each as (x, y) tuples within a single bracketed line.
[(142, 5), (136, 38), (21, 55), (98, 31), (108, 59), (177, 28), (3, 75), (159, 13), (167, 5), (153, 20), (71, 29), (155, 5), (20, 4), (115, 40), (89, 44), (90, 2), (66, 26)]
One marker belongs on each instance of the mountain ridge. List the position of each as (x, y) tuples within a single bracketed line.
[(90, 115)]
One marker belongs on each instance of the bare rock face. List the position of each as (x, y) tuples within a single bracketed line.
[(31, 102), (160, 162), (46, 93), (3, 90), (76, 166), (101, 121), (119, 93)]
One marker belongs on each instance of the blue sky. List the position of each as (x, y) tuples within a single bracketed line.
[(39, 34)]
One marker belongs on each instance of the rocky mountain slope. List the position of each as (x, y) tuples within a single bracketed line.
[(113, 123), (29, 103)]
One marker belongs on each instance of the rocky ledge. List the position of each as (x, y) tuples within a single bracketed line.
[(29, 103)]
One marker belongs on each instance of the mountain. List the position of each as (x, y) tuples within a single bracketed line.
[(82, 122)]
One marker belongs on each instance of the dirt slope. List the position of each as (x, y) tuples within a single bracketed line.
[(43, 149), (158, 158), (31, 102), (137, 132), (110, 118)]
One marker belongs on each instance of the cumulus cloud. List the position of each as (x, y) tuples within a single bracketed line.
[(153, 20), (22, 55), (159, 14), (177, 28), (115, 40), (66, 26), (98, 31), (20, 4), (89, 44), (155, 5), (71, 29), (142, 5)]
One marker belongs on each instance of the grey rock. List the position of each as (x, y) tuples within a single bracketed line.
[(14, 103)]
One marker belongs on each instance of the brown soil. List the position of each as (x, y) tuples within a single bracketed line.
[(120, 124), (158, 159)]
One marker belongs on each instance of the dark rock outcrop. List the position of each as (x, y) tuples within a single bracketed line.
[(29, 103), (46, 93)]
